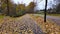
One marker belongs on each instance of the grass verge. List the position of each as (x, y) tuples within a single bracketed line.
[(1, 16), (58, 15)]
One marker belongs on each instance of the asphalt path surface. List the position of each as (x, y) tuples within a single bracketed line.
[(52, 18)]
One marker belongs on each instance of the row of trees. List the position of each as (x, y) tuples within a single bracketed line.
[(55, 8), (16, 9)]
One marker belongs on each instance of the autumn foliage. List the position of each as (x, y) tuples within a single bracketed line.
[(11, 9)]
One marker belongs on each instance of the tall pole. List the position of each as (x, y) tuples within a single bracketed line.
[(45, 11), (7, 7)]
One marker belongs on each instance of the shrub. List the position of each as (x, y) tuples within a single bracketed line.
[(20, 13)]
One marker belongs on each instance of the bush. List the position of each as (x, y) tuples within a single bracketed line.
[(20, 13)]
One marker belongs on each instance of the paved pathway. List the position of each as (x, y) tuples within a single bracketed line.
[(53, 18), (30, 23), (26, 25)]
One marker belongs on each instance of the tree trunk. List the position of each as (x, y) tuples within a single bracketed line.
[(7, 7)]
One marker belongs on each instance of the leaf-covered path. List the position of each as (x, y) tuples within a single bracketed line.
[(20, 25)]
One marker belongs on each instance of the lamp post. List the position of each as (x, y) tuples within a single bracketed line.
[(45, 11)]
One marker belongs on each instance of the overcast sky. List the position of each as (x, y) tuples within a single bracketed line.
[(40, 4)]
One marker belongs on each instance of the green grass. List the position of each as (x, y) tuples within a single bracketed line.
[(51, 14), (42, 12), (57, 15), (54, 15), (1, 16)]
